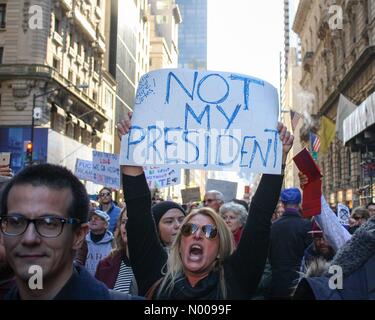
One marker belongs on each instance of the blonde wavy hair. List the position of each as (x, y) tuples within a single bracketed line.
[(174, 265)]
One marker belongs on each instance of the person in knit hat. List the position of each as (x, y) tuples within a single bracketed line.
[(288, 242), (168, 216), (319, 249)]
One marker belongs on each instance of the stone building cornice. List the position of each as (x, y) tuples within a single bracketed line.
[(301, 14), (367, 56)]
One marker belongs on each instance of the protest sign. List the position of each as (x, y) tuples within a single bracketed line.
[(83, 170), (106, 169), (204, 120), (162, 177), (190, 194), (343, 213), (227, 188)]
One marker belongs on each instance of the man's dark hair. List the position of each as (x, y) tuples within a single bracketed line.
[(105, 188), (54, 177), (242, 203)]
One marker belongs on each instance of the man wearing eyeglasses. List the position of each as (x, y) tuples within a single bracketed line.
[(43, 221), (107, 205), (213, 199)]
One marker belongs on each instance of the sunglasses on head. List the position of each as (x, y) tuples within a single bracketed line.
[(209, 231)]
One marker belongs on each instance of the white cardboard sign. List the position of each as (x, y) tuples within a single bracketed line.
[(162, 177), (106, 169), (204, 120), (83, 170)]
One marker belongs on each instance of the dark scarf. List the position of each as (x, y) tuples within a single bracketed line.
[(96, 237), (206, 289)]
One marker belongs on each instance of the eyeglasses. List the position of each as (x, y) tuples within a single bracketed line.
[(47, 227), (210, 232), (106, 194)]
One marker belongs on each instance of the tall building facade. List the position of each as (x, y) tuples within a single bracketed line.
[(338, 50), (53, 80), (290, 76), (192, 45), (130, 49), (165, 19), (192, 35)]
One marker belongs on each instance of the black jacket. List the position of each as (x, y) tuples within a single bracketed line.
[(289, 239), (81, 286), (242, 270)]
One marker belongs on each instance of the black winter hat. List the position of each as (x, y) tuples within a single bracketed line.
[(159, 209)]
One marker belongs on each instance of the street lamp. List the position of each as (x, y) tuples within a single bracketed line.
[(55, 92)]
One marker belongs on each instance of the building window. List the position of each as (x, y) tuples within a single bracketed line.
[(2, 15), (161, 5), (86, 54), (57, 25), (79, 48), (98, 3), (56, 64), (161, 19), (1, 54), (95, 96), (71, 40), (96, 66), (70, 75), (78, 81)]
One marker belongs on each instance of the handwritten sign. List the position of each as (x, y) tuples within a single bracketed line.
[(204, 120), (106, 169), (162, 177), (190, 194), (227, 188), (83, 170)]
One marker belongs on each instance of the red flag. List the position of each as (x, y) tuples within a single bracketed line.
[(312, 191)]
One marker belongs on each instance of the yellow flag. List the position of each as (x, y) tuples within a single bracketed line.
[(326, 133)]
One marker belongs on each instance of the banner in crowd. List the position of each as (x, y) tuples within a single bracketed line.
[(227, 188), (106, 169), (162, 177), (343, 213), (190, 195), (204, 120), (83, 170)]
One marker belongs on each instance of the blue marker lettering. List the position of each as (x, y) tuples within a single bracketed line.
[(132, 128), (243, 152), (263, 159), (189, 109), (190, 94), (168, 143), (218, 154), (233, 116), (246, 86), (185, 137), (275, 144), (223, 98), (152, 143)]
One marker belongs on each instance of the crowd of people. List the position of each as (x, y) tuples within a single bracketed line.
[(149, 249)]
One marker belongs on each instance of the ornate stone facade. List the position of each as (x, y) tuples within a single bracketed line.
[(338, 59)]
